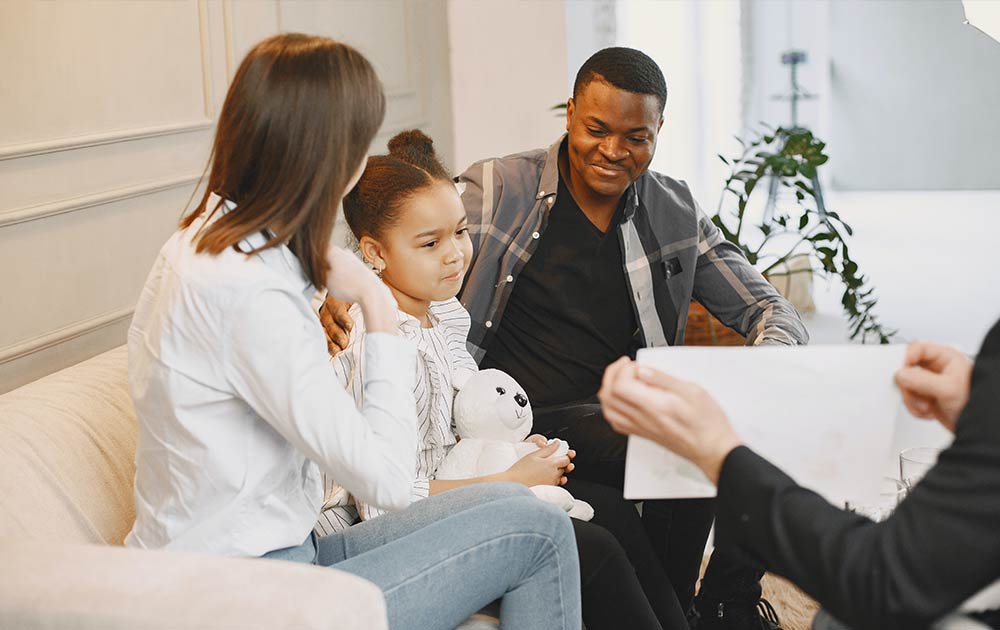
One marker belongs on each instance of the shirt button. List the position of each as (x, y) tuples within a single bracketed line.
[(541, 193), (535, 235), (489, 324), (551, 200), (510, 278), (744, 518)]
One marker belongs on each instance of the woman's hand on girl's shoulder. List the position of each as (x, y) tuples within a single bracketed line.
[(350, 280)]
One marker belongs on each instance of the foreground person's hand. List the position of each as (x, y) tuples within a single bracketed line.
[(935, 381), (677, 414)]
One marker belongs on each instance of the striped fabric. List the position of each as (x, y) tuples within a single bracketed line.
[(672, 253), (442, 360)]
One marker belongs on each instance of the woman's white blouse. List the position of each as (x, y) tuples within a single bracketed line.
[(239, 407)]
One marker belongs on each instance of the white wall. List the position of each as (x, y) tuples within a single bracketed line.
[(908, 94), (108, 111), (590, 26), (916, 98), (508, 68)]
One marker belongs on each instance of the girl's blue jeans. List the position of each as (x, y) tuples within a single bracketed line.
[(447, 556)]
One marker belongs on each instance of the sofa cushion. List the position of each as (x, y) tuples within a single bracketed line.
[(59, 586), (67, 455)]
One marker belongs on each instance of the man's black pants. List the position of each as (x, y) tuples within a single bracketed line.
[(677, 529)]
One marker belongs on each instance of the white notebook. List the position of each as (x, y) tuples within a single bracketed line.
[(824, 414)]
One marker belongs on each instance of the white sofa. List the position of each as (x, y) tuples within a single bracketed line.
[(67, 446)]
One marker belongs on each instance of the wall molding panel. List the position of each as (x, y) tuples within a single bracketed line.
[(33, 213), (56, 337), (28, 149), (96, 169)]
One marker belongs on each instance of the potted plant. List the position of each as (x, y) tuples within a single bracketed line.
[(789, 159)]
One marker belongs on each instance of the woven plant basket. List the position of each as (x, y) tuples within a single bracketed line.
[(705, 330)]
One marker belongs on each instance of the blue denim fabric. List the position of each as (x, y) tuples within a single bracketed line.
[(449, 555)]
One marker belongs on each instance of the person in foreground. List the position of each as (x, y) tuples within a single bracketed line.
[(412, 228), (238, 406), (939, 547)]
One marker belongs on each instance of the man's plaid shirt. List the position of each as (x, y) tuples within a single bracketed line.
[(671, 253)]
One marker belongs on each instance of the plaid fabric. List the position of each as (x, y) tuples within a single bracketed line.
[(672, 253)]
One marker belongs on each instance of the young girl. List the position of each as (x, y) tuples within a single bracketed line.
[(411, 228), (239, 408)]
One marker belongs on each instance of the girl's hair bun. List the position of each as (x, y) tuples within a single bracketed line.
[(416, 148), (389, 180), (408, 142)]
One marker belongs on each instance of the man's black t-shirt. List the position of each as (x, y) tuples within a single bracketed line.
[(569, 315)]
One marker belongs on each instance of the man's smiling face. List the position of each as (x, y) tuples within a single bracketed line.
[(612, 137)]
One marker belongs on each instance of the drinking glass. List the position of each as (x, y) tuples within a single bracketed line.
[(891, 492), (914, 464)]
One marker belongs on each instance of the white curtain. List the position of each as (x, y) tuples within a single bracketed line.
[(698, 46)]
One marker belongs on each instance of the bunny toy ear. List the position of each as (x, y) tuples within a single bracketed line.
[(460, 377)]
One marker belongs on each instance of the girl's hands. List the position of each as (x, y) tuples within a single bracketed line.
[(537, 439), (542, 467)]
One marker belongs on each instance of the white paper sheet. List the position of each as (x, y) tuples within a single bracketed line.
[(823, 414)]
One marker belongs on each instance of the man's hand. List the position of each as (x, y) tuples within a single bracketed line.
[(935, 382), (337, 324), (679, 415)]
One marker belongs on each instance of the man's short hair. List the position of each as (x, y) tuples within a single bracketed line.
[(625, 68)]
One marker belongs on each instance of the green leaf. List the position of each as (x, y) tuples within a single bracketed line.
[(724, 160), (803, 221), (805, 187)]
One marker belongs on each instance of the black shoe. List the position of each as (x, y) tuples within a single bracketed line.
[(719, 615)]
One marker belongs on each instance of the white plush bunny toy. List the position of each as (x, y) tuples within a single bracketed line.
[(493, 416)]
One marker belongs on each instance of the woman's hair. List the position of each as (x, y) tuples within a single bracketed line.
[(389, 180), (298, 120)]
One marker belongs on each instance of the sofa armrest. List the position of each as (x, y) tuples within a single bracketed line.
[(94, 586)]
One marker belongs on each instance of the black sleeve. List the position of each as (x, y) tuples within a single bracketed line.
[(940, 546)]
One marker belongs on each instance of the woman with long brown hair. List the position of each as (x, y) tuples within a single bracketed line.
[(239, 408)]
